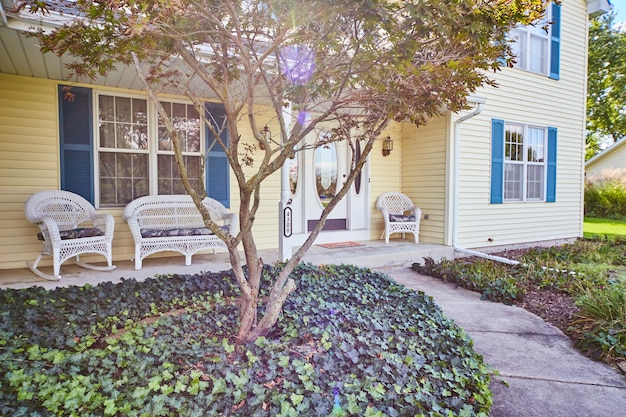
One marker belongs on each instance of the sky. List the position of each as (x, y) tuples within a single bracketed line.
[(619, 6)]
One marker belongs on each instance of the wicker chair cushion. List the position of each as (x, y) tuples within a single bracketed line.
[(76, 233), (401, 218), (183, 231)]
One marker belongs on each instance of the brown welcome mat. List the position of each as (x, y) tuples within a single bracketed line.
[(338, 245)]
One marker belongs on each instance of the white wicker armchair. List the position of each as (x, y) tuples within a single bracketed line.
[(70, 227), (400, 214)]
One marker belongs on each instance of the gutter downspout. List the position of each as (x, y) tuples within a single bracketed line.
[(455, 200)]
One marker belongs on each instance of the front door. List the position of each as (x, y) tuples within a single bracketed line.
[(324, 170)]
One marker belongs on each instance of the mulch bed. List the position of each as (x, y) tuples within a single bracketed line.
[(555, 307)]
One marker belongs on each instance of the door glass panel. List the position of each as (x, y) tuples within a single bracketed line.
[(326, 172), (293, 174)]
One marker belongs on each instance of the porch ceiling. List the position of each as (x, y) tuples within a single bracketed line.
[(20, 55)]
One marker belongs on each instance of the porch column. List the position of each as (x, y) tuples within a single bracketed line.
[(285, 248)]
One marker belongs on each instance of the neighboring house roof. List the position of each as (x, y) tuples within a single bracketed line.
[(611, 157)]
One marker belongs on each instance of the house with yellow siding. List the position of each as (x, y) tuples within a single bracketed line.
[(610, 160), (506, 172)]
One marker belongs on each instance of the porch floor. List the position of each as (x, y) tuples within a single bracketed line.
[(371, 254)]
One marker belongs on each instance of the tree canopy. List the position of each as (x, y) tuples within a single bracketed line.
[(355, 66), (606, 89)]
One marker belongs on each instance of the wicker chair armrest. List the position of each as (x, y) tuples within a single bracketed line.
[(135, 229), (385, 214), (50, 228), (106, 223), (232, 220)]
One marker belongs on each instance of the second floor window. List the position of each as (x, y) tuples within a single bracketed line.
[(531, 46), (537, 46)]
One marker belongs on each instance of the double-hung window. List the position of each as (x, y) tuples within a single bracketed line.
[(537, 47), (523, 162), (127, 148), (127, 152)]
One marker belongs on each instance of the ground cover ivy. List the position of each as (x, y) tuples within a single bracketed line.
[(350, 342), (589, 270)]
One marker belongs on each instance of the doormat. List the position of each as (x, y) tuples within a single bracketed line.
[(338, 245)]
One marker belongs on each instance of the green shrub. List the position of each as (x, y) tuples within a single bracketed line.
[(492, 279), (603, 317), (350, 342), (605, 194)]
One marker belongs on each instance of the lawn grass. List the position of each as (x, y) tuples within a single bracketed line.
[(594, 226)]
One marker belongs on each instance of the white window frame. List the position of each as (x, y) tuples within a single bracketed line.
[(153, 146), (525, 163), (523, 37)]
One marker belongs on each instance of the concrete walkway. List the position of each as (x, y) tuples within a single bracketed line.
[(540, 373)]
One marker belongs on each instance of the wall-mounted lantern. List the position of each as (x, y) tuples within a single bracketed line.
[(387, 146)]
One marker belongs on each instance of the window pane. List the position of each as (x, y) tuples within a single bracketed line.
[(518, 47), (186, 121), (193, 130), (123, 177), (326, 172), (514, 143), (107, 135), (124, 136), (164, 139), (535, 182), (538, 54), (536, 145), (106, 108), (140, 111), (293, 174), (107, 165), (107, 192), (139, 136), (123, 109), (513, 181), (169, 181), (122, 122)]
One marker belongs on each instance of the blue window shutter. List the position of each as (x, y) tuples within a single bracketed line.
[(217, 174), (497, 161), (555, 42), (76, 137), (551, 174)]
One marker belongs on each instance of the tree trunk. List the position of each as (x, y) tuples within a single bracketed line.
[(274, 306)]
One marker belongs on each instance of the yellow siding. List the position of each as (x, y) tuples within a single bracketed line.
[(424, 174), (28, 160), (534, 99), (385, 175)]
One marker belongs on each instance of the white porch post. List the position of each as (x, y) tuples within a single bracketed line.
[(285, 249)]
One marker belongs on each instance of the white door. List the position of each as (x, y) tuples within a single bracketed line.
[(323, 171)]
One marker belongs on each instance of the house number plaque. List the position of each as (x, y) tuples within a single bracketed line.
[(287, 221)]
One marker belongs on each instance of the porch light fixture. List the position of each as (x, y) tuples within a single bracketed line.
[(387, 146)]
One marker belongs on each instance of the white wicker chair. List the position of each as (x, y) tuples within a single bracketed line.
[(70, 227), (400, 214)]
